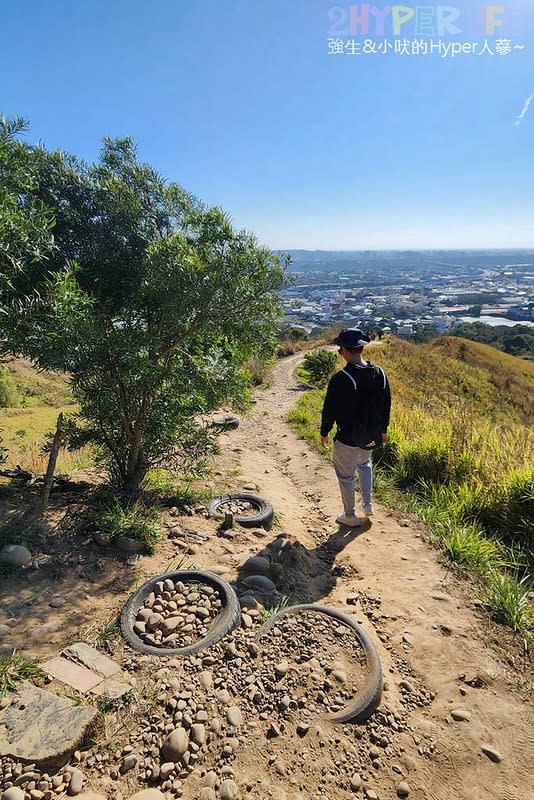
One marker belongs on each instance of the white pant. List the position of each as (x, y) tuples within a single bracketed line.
[(347, 460)]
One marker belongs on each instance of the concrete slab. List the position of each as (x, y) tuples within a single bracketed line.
[(42, 729), (111, 688), (70, 673), (90, 657)]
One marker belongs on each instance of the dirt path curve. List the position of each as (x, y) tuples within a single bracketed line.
[(473, 736)]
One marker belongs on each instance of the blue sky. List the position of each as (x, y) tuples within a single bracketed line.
[(241, 102)]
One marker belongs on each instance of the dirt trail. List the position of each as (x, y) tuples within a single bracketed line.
[(417, 612), (451, 723)]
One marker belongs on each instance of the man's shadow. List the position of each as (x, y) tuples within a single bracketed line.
[(285, 568)]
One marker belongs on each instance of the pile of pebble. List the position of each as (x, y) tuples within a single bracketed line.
[(176, 614), (240, 508)]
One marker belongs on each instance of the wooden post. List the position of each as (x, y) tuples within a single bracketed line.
[(51, 468), (228, 521)]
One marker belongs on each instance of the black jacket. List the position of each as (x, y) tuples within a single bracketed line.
[(343, 400)]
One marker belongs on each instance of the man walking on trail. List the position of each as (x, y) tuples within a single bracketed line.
[(358, 400)]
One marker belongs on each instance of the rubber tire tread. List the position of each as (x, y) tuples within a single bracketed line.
[(228, 618), (263, 517), (369, 696)]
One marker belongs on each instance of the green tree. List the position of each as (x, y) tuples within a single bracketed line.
[(474, 311), (151, 302), (25, 222)]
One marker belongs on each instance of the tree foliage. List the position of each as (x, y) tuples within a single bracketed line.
[(150, 301), (25, 222)]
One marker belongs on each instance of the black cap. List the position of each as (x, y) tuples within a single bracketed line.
[(352, 338)]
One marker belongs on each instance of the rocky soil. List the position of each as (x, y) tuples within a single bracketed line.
[(244, 720)]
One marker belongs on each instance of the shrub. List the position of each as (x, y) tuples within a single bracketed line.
[(318, 366), (9, 395), (257, 369)]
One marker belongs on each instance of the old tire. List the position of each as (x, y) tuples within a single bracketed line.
[(368, 698), (228, 618), (264, 510)]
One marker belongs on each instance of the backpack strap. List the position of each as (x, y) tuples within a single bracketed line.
[(351, 378), (379, 372)]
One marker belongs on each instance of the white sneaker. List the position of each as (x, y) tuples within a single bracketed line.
[(351, 520), (367, 509)]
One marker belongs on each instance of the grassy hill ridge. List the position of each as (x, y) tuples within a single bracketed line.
[(450, 372)]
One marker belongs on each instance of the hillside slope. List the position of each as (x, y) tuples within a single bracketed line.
[(450, 370), (39, 396)]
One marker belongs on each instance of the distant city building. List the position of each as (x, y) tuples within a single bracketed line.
[(405, 329)]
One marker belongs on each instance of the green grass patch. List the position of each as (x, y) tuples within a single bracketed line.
[(38, 388), (306, 418), (132, 519), (24, 432), (13, 670), (507, 599), (108, 635), (174, 489)]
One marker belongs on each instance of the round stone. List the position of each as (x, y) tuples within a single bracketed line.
[(257, 565), (339, 676), (355, 782), (13, 793), (153, 621), (210, 778), (259, 582), (76, 782), (248, 601), (166, 769), (148, 794), (128, 763), (175, 745), (281, 668), (198, 733), (460, 715), (15, 555), (234, 716), (403, 789), (491, 753), (229, 790), (206, 679)]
